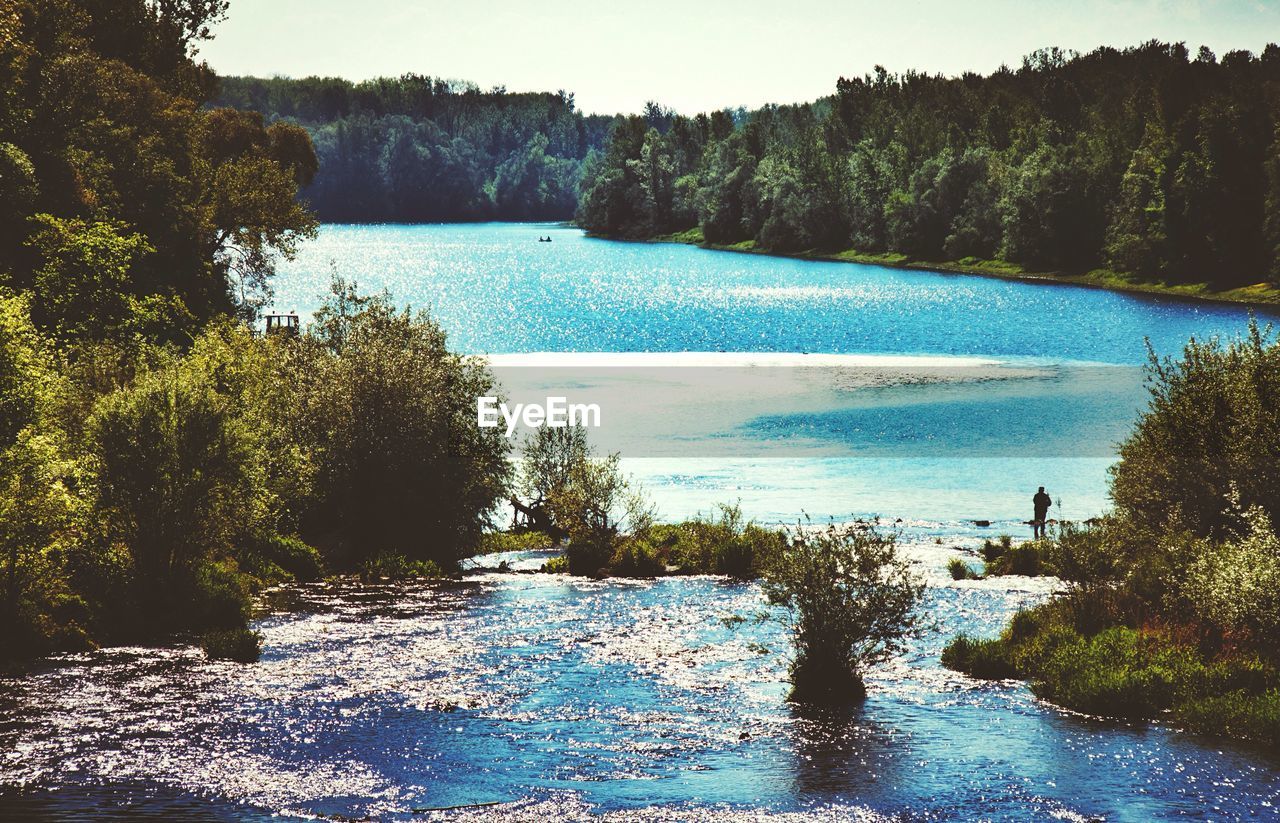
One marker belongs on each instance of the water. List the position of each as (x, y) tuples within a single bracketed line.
[(555, 697)]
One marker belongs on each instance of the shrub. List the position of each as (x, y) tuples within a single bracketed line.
[(396, 566), (239, 645), (513, 541), (1209, 434), (984, 659), (274, 558), (850, 601), (960, 570), (724, 544), (1235, 585), (220, 596), (1239, 714), (992, 549), (556, 565), (1027, 559), (636, 558)]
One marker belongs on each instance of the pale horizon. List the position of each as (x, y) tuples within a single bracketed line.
[(717, 55)]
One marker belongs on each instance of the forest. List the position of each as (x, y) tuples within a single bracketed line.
[(423, 149), (1146, 161)]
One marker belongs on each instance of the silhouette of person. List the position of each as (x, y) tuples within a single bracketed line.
[(1042, 502)]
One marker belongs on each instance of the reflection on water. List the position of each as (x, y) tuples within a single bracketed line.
[(546, 695)]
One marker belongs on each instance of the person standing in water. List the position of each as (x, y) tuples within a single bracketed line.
[(1042, 503)]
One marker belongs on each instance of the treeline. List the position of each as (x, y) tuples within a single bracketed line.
[(1145, 161), (420, 149)]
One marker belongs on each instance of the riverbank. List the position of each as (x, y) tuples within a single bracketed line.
[(1258, 294)]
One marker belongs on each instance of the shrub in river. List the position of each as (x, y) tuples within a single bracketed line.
[(395, 566), (960, 570), (993, 549), (556, 565), (1028, 559), (978, 658), (636, 557), (850, 601), (274, 558), (723, 543), (240, 645), (1239, 714)]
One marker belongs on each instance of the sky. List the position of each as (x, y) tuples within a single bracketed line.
[(697, 56)]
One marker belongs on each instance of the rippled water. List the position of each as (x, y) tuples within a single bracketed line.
[(527, 696), (546, 695)]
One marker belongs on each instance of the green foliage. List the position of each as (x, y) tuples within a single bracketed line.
[(513, 541), (1239, 714), (238, 645), (396, 566), (983, 659), (1209, 439), (388, 414), (1235, 585), (1028, 559), (723, 543), (557, 565), (959, 570), (120, 201), (850, 601), (423, 149), (1137, 159)]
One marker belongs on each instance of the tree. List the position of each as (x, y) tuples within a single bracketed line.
[(1209, 440), (850, 601), (389, 413), (1137, 240)]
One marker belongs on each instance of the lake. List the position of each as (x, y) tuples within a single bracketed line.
[(527, 696)]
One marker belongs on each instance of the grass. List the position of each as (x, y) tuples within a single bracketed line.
[(1096, 278), (1126, 671), (1028, 559), (960, 570), (392, 566), (512, 541)]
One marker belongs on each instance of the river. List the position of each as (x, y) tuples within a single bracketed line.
[(526, 696)]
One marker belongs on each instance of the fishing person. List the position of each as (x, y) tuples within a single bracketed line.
[(1041, 502)]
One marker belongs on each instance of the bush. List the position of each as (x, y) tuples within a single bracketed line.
[(513, 541), (396, 566), (273, 558), (984, 659), (723, 544), (556, 565), (636, 558), (1235, 585), (239, 645), (1239, 714), (1027, 559), (850, 601), (1210, 434), (992, 549), (960, 570)]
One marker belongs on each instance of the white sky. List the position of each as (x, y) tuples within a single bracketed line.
[(695, 56)]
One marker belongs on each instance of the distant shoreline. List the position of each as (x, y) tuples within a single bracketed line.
[(1261, 295)]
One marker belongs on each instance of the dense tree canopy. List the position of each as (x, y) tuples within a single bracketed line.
[(1145, 161), (118, 184), (416, 149)]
